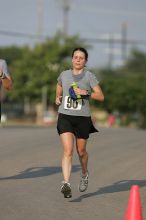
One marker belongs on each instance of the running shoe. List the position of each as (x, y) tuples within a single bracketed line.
[(83, 185), (66, 190)]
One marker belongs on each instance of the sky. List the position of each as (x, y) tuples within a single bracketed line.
[(93, 20)]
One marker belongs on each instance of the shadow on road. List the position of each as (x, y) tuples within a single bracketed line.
[(35, 172), (123, 185)]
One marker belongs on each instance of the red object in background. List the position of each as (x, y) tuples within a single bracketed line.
[(111, 120)]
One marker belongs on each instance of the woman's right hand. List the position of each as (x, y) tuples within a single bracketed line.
[(58, 100)]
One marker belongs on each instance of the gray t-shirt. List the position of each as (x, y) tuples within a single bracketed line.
[(85, 80), (4, 67)]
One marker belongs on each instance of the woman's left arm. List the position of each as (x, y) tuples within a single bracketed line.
[(97, 93)]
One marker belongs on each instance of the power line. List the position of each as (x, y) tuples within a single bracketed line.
[(98, 39), (105, 40), (22, 35)]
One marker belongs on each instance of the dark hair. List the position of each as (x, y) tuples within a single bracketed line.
[(82, 50)]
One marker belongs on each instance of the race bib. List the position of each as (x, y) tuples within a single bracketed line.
[(69, 103)]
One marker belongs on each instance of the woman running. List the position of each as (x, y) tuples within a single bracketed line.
[(74, 89)]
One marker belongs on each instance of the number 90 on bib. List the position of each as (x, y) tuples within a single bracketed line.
[(71, 104)]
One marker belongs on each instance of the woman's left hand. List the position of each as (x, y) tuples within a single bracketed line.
[(79, 91)]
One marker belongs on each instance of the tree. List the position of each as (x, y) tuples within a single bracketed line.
[(125, 88), (35, 68)]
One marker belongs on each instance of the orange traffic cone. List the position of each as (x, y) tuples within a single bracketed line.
[(134, 211)]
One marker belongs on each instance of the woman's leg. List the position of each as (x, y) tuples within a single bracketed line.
[(82, 153), (67, 140), (83, 157)]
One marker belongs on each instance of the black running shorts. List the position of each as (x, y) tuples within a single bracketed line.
[(80, 126)]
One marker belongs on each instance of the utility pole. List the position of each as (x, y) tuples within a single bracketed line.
[(111, 51), (66, 8), (40, 12), (44, 98), (124, 42)]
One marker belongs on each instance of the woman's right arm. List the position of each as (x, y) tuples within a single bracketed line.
[(7, 83), (59, 91), (5, 76)]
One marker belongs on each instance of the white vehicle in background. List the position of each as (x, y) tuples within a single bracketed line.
[(49, 118)]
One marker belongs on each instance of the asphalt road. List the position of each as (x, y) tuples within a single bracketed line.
[(30, 175)]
